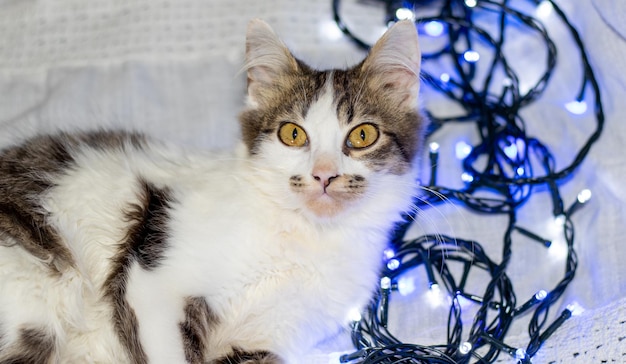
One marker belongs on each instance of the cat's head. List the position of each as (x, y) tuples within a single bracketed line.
[(328, 142)]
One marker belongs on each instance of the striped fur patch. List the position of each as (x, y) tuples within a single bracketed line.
[(239, 356), (195, 329), (145, 244), (27, 172), (34, 345)]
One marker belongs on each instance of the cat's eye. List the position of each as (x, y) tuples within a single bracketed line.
[(292, 135), (362, 136)]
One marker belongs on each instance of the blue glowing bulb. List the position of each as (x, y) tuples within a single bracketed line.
[(541, 295), (584, 196), (466, 177), (406, 286), (575, 308), (462, 150), (520, 171), (471, 3), (433, 147), (385, 283), (576, 107), (434, 28), (511, 151), (544, 9), (405, 14), (445, 77), (465, 348), (435, 296), (559, 221), (393, 264), (520, 354), (471, 56), (389, 253)]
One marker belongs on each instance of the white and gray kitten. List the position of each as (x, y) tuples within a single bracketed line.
[(116, 249)]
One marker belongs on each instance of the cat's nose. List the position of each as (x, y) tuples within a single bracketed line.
[(324, 178), (324, 171)]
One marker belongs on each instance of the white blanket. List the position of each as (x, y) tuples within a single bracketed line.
[(170, 68)]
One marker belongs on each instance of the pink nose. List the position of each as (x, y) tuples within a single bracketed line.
[(324, 178), (324, 171)]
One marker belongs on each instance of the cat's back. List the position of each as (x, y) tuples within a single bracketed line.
[(67, 197), (76, 211), (31, 175)]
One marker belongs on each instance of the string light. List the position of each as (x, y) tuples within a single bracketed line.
[(465, 348), (462, 150), (511, 151), (393, 264), (388, 254), (405, 14), (471, 56), (435, 295), (433, 28), (467, 177), (385, 291), (405, 286), (575, 309), (538, 297), (576, 107), (533, 236), (433, 155), (507, 162), (434, 147), (544, 9), (583, 197), (559, 221)]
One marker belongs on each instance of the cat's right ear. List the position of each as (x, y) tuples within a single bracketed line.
[(395, 61), (267, 58)]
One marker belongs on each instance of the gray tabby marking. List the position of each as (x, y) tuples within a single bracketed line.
[(195, 329), (243, 357), (33, 346), (290, 100), (145, 244), (25, 175)]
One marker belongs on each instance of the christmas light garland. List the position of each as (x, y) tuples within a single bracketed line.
[(515, 164)]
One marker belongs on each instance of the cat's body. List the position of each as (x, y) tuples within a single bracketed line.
[(115, 249)]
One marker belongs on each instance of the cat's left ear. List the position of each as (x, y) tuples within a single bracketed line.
[(267, 59), (395, 61)]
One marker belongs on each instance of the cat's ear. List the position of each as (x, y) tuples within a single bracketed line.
[(394, 61), (267, 58)]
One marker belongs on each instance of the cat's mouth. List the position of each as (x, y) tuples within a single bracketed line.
[(329, 199), (329, 202), (325, 205)]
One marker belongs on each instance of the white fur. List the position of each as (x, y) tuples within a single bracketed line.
[(279, 277)]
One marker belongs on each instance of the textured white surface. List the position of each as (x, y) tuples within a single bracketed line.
[(171, 68)]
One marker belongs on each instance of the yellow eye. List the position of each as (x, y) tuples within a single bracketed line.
[(362, 136), (292, 135)]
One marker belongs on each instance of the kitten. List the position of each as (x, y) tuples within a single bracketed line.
[(118, 249)]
